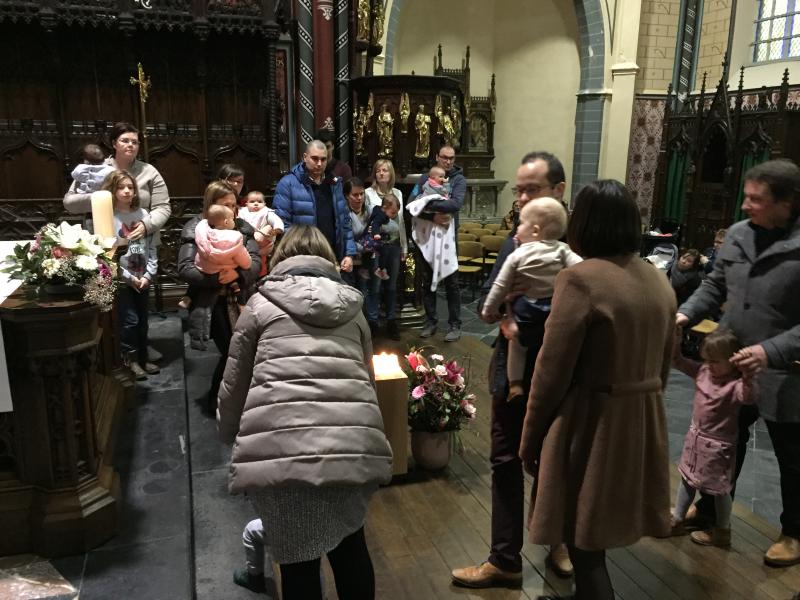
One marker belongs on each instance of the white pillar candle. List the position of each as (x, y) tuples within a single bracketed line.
[(103, 214)]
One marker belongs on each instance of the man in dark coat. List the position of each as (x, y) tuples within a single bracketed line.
[(305, 195), (540, 174), (756, 275), (448, 210)]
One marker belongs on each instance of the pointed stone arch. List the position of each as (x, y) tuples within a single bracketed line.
[(591, 95)]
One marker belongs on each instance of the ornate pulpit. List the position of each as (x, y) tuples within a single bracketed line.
[(58, 488)]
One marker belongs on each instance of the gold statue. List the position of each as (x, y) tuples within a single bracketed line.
[(405, 112), (358, 129), (363, 21), (445, 127), (377, 24), (437, 110), (368, 114), (423, 125), (385, 128), (455, 115)]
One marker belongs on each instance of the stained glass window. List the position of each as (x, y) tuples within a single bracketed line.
[(777, 30)]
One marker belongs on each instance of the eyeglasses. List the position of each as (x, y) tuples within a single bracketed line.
[(447, 158), (529, 190), (128, 141)]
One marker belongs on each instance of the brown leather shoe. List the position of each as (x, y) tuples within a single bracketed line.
[(486, 575), (559, 561), (783, 553), (716, 536)]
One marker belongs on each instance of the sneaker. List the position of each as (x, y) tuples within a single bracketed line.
[(428, 330), (150, 368), (138, 372), (453, 334), (392, 330), (254, 583)]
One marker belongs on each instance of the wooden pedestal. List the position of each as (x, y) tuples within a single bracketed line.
[(58, 489), (393, 402)]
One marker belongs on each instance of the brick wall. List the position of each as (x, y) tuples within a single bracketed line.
[(658, 32), (713, 40)]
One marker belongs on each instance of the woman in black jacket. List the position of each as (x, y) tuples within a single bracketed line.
[(224, 311)]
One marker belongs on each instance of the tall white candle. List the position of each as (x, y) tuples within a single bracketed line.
[(103, 214)]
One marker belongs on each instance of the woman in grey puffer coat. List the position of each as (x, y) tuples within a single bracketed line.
[(298, 400)]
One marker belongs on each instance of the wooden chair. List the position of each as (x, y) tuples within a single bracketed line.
[(492, 244), (467, 252), (502, 232), (467, 237), (492, 227), (467, 226), (479, 233)]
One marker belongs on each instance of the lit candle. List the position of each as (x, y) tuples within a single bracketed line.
[(386, 366), (103, 214)]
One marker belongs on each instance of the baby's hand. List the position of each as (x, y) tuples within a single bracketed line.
[(376, 237), (266, 231)]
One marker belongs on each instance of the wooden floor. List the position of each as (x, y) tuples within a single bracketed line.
[(421, 527)]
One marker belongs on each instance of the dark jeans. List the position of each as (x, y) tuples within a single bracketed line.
[(369, 287), (786, 443), (221, 332), (352, 570), (508, 486), (429, 297), (390, 260), (133, 311)]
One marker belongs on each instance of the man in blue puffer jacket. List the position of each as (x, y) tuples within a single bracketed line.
[(304, 196)]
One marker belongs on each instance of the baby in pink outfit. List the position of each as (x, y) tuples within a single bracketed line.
[(220, 249)]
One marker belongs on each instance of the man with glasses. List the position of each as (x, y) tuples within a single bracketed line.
[(457, 188), (540, 175)]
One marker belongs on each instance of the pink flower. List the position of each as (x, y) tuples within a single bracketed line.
[(418, 392), (413, 360), (440, 371), (59, 252)]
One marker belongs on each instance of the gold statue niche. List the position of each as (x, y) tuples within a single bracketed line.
[(422, 122), (385, 125)]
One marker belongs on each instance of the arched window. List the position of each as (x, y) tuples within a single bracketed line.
[(777, 30)]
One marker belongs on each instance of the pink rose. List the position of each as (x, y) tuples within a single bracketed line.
[(418, 392), (59, 252)]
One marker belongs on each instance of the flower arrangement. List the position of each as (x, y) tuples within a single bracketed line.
[(67, 255), (438, 399)]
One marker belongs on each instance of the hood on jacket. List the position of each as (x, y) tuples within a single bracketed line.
[(310, 290), (300, 172), (455, 170)]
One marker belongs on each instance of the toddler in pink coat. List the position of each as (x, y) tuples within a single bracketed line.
[(709, 452)]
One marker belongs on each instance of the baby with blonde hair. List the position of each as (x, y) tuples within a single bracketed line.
[(535, 263)]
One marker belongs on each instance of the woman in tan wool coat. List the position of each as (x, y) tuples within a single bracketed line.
[(297, 400), (595, 434)]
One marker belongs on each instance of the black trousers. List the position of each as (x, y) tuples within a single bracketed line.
[(221, 332), (508, 483), (786, 443), (352, 570)]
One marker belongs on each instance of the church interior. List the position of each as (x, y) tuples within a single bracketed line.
[(112, 487)]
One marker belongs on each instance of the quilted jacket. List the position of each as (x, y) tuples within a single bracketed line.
[(294, 203), (297, 396)]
